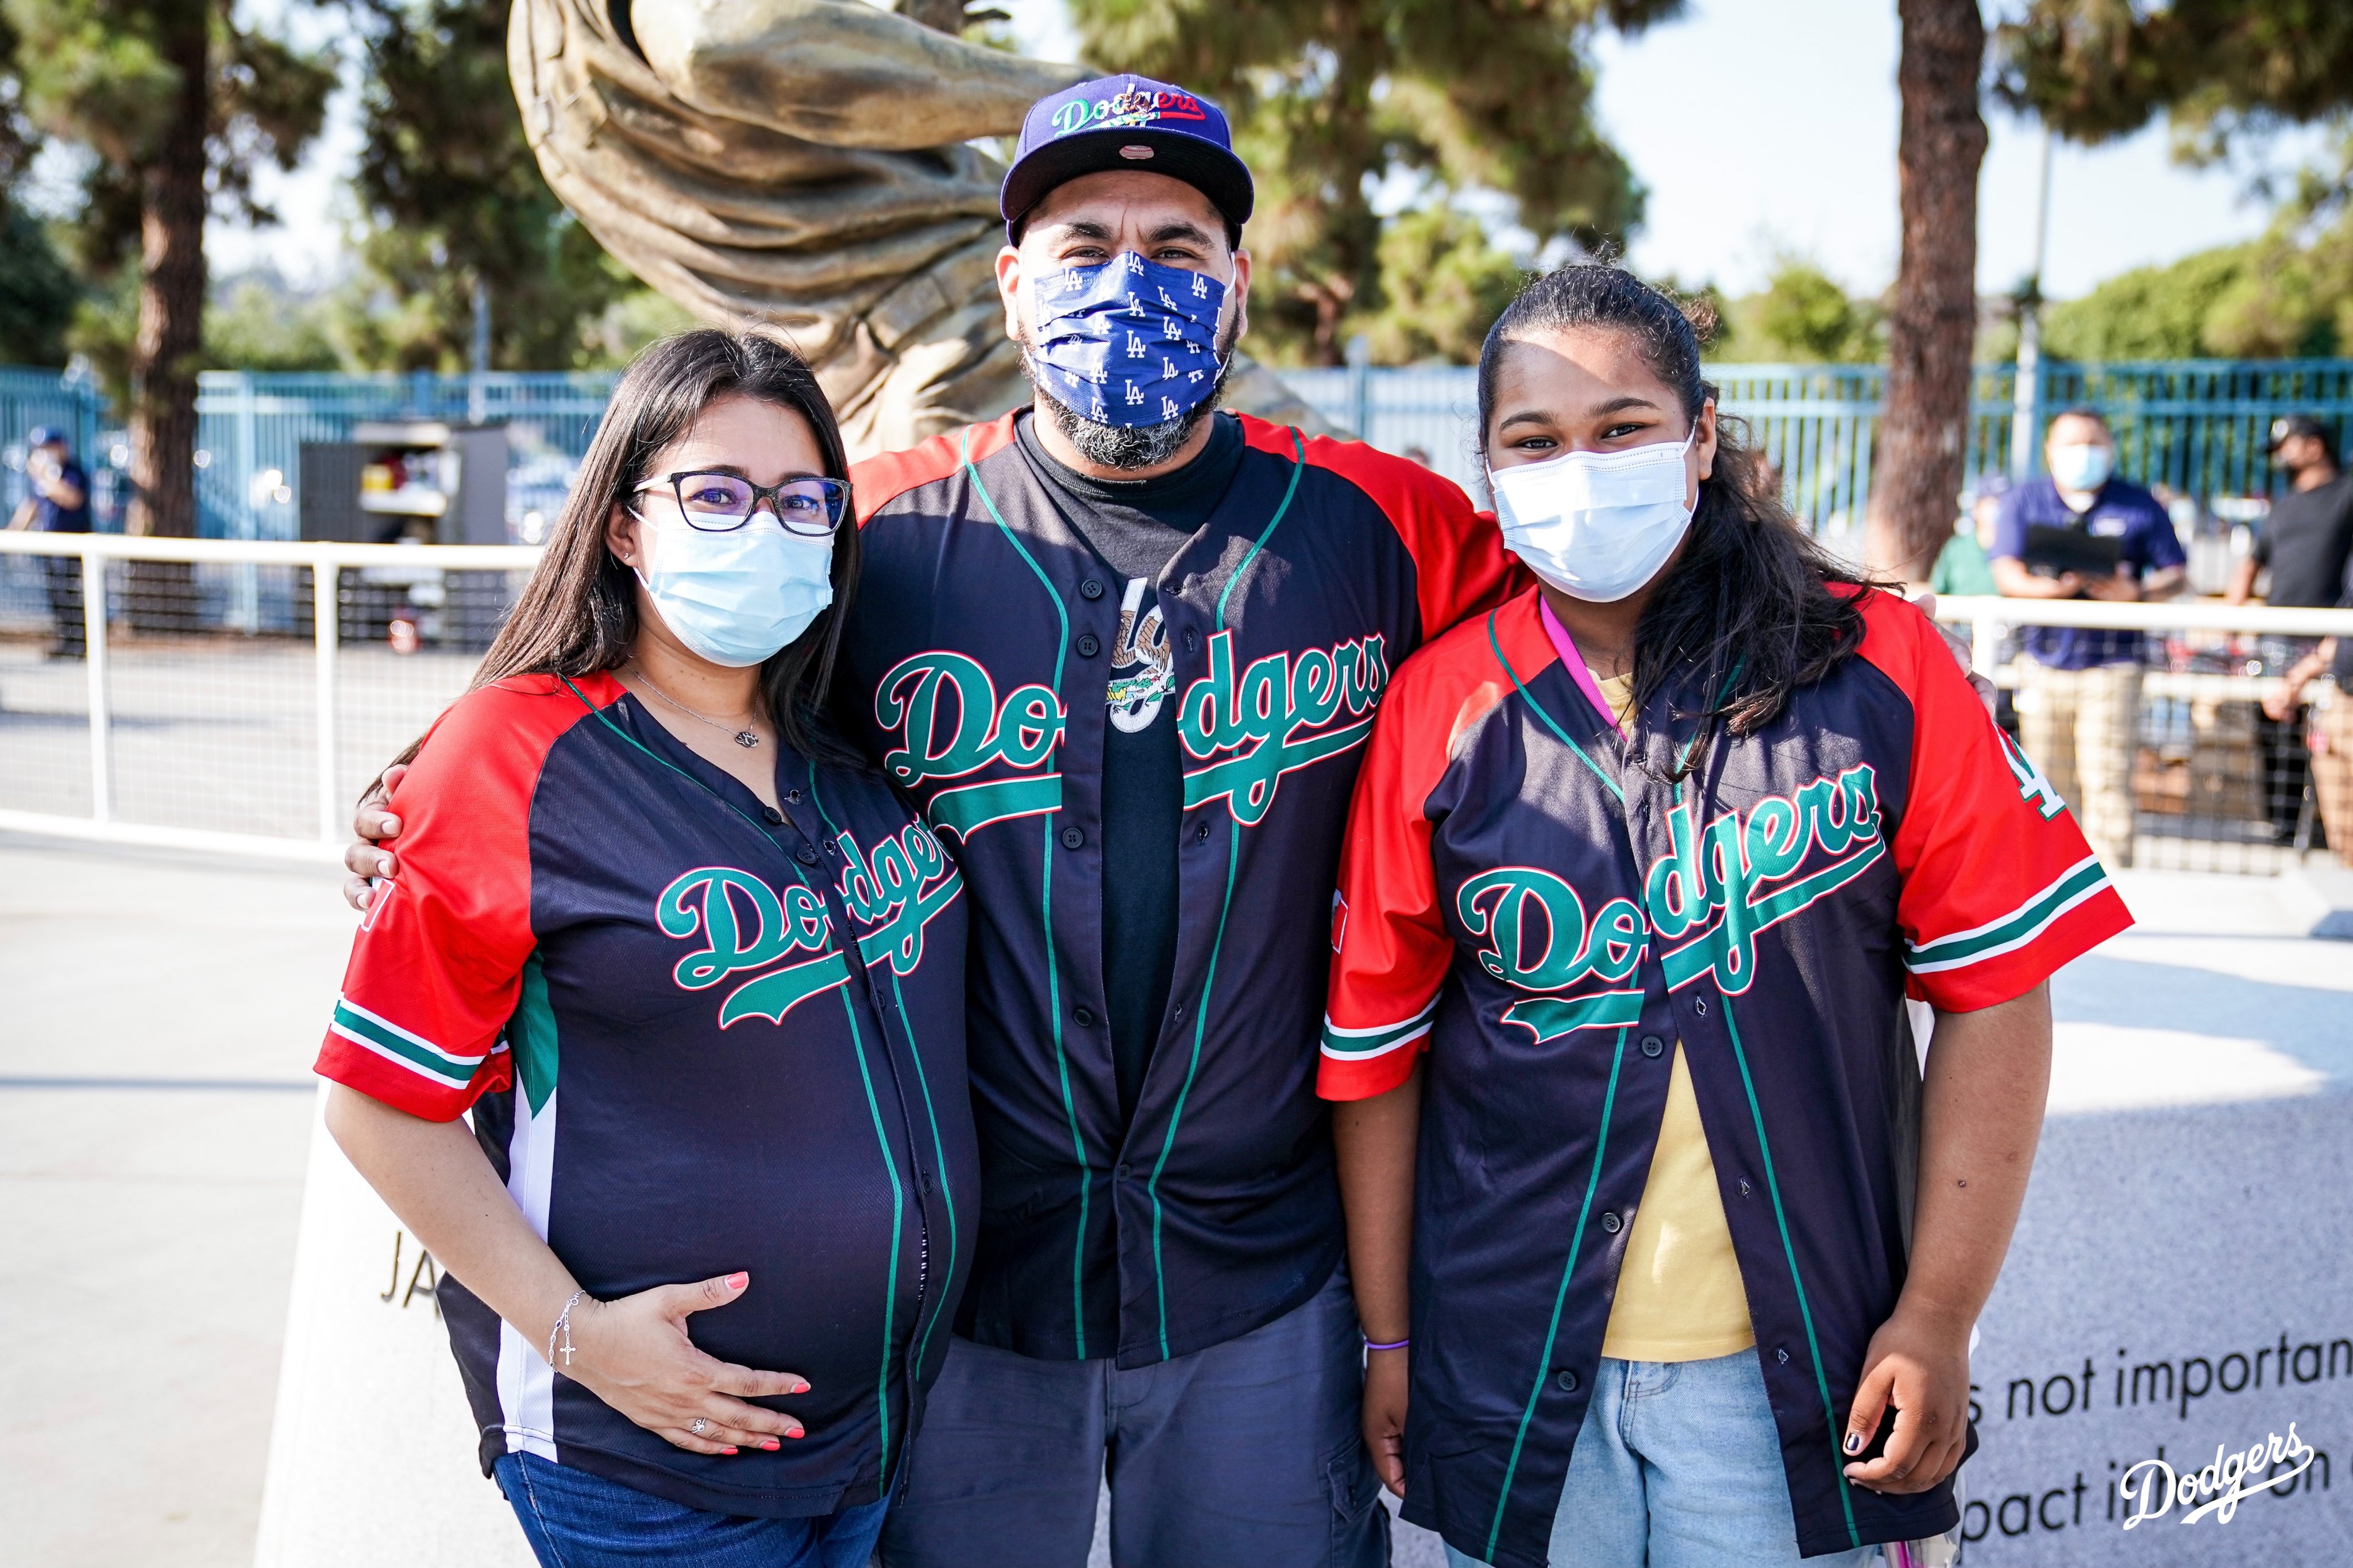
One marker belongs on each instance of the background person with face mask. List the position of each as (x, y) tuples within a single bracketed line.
[(2079, 688), (697, 975), (1641, 871), (2305, 543)]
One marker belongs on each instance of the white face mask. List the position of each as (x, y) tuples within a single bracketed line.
[(737, 597), (2081, 465), (1597, 525)]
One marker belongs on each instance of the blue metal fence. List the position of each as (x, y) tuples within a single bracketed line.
[(2194, 426)]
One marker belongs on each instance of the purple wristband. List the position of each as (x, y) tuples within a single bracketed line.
[(1398, 1345)]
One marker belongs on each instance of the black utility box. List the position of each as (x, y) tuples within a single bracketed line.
[(422, 481)]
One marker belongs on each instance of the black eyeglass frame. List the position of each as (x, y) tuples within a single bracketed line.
[(837, 499)]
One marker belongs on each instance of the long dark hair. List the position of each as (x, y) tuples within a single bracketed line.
[(578, 614), (1747, 615)]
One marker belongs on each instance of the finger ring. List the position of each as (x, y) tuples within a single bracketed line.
[(698, 1426)]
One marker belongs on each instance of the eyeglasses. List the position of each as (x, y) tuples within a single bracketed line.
[(720, 503)]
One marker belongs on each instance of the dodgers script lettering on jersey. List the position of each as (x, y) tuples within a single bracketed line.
[(617, 960), (1535, 920), (994, 651)]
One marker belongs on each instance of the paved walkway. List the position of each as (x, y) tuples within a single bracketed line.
[(158, 1020)]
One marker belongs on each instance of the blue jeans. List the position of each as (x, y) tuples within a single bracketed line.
[(1678, 1466), (574, 1519), (1245, 1455)]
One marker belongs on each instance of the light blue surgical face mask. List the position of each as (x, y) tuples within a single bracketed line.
[(1129, 342), (736, 598), (2081, 465)]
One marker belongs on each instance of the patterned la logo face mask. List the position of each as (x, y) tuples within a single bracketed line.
[(1129, 342)]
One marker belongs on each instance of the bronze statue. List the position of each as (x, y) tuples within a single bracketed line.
[(806, 165)]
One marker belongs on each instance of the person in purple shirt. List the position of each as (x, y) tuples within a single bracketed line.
[(2079, 687)]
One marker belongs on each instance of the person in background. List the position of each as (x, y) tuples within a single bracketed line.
[(1961, 565), (59, 503), (2079, 687), (2304, 541)]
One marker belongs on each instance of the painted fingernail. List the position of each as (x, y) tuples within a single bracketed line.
[(801, 1385), (738, 1280), (797, 1431), (726, 1450), (772, 1444), (1854, 1442)]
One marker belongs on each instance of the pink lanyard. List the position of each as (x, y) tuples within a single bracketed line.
[(1566, 646)]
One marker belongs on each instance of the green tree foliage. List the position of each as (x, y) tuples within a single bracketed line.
[(254, 322), (37, 293), (1442, 284), (1332, 102), (2095, 69), (2222, 72), (176, 107), (453, 196), (1803, 317)]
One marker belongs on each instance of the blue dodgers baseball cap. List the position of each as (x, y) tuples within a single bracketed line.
[(1125, 122)]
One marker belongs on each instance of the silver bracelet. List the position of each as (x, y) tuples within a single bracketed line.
[(564, 1328)]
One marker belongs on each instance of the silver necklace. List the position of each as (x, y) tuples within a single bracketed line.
[(744, 738)]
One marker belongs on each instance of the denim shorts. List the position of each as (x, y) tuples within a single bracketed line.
[(1678, 1466), (574, 1519)]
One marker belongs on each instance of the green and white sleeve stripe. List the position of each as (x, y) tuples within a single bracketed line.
[(2013, 931), (1363, 1045), (395, 1044)]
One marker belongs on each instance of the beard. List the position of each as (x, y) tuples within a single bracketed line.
[(1131, 446)]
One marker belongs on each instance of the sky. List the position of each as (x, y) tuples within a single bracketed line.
[(1761, 127)]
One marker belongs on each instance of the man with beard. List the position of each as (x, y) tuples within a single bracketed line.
[(1125, 648)]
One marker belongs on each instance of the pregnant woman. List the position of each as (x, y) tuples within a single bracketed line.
[(697, 975)]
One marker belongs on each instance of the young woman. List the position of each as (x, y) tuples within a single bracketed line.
[(1664, 1251), (697, 974)]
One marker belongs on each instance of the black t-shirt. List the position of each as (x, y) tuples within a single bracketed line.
[(1137, 527), (2305, 541)]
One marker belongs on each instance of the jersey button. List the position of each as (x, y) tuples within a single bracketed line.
[(1086, 1019), (1073, 839), (1088, 646), (1090, 589), (804, 855), (1653, 1046), (1124, 1172), (1202, 830), (1192, 639), (1611, 1222), (1567, 1380), (1699, 1005), (772, 814)]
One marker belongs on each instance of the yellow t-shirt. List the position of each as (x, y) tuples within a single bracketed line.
[(1678, 1292)]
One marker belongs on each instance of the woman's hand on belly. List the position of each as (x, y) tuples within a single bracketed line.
[(634, 1353)]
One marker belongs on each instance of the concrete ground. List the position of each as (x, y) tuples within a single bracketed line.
[(157, 1018)]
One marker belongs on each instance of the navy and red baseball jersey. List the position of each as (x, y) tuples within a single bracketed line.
[(1544, 917), (641, 981), (981, 655)]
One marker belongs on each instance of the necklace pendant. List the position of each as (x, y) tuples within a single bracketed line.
[(745, 738)]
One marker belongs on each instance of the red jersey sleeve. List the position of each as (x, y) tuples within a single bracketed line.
[(1390, 946), (437, 966), (1460, 567), (1999, 887)]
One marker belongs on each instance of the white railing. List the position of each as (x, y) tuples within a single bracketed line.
[(331, 796), (204, 738)]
